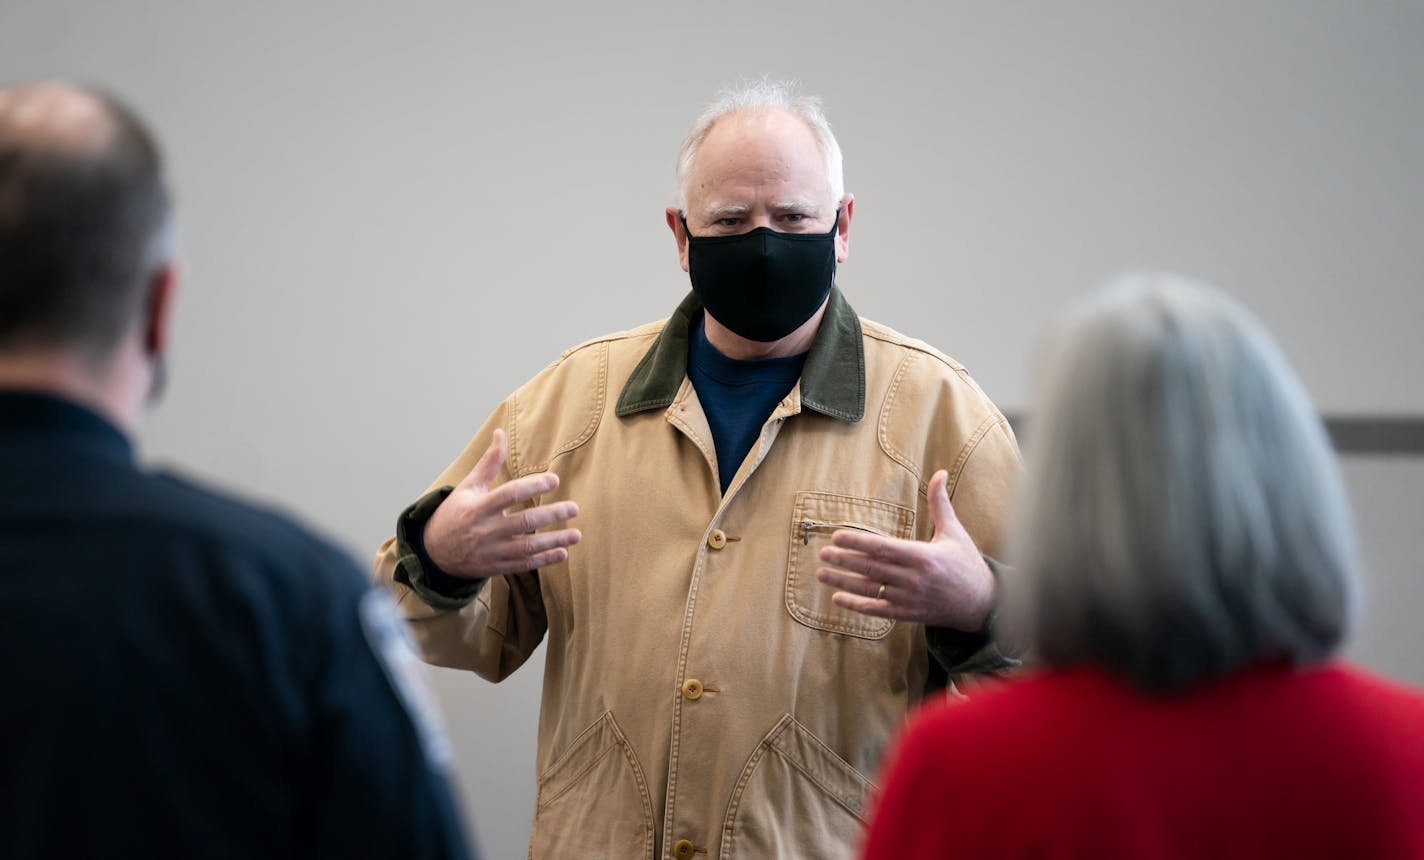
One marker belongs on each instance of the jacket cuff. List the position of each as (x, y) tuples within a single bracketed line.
[(962, 653), (415, 570)]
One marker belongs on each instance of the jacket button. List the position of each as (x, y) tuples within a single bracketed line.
[(692, 690), (682, 849), (717, 539)]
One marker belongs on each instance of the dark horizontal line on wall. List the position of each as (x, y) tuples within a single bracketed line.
[(1351, 434), (1366, 434)]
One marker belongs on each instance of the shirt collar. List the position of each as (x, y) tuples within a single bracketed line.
[(26, 415), (832, 382)]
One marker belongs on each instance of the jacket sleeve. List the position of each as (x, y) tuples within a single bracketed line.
[(982, 492), (978, 653), (380, 777), (489, 627)]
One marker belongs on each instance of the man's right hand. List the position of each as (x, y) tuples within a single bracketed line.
[(474, 534)]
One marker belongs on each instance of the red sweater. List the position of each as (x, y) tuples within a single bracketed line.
[(1324, 762)]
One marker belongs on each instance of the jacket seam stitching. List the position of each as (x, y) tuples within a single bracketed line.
[(861, 780), (830, 792), (675, 742), (979, 433), (929, 352), (885, 410), (572, 747), (574, 780), (630, 334), (647, 404), (587, 433), (512, 432), (632, 759), (871, 629), (734, 804), (707, 454)]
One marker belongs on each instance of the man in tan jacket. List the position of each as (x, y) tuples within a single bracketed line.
[(768, 570)]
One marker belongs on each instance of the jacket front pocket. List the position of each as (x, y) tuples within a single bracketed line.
[(815, 517), (593, 801), (795, 798)]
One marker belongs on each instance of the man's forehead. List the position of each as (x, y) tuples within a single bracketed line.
[(767, 132), (768, 121), (751, 153)]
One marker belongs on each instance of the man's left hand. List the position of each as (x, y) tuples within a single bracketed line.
[(944, 582)]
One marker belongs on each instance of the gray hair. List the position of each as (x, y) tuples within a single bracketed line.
[(1183, 515), (764, 94)]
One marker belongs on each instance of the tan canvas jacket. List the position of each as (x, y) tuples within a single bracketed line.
[(702, 695)]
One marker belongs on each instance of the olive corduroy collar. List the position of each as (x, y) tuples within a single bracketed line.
[(832, 382)]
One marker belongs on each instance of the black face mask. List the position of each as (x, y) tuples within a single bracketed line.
[(762, 284)]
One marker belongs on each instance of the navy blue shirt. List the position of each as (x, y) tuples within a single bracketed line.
[(736, 395), (182, 675)]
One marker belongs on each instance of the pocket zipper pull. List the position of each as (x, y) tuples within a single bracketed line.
[(805, 532)]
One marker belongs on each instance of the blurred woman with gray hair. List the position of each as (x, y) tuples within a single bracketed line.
[(1187, 569)]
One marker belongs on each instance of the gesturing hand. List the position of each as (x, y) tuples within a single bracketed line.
[(944, 582), (474, 534)]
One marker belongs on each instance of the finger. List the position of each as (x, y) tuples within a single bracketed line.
[(941, 511), (906, 553), (868, 566), (533, 519), (485, 470), (878, 608), (516, 492), (525, 564), (845, 581), (527, 546)]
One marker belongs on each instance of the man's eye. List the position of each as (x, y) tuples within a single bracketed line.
[(795, 217), (728, 222)]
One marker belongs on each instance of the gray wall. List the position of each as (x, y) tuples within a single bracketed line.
[(395, 213)]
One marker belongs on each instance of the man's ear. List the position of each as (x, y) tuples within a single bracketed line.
[(158, 315), (674, 222), (843, 228)]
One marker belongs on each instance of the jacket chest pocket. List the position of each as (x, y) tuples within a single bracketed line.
[(815, 517)]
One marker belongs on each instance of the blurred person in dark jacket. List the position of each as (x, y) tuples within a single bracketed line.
[(184, 675)]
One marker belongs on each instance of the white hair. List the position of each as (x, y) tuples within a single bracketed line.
[(764, 94), (162, 247), (1182, 515)]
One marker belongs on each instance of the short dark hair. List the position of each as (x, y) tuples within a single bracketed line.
[(79, 227)]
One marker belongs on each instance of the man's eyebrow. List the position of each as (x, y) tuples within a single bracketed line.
[(713, 211), (803, 207)]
